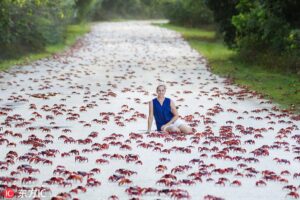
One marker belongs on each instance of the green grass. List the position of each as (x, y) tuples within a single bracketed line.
[(73, 32), (193, 33), (281, 88)]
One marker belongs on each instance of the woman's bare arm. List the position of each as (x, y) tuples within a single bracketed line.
[(150, 117), (174, 112)]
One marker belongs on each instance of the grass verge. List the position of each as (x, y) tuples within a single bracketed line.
[(281, 88), (73, 32)]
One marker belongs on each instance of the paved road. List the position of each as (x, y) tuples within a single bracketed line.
[(84, 110)]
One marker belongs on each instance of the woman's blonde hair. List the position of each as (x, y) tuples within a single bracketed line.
[(161, 85)]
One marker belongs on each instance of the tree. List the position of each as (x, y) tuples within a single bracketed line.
[(267, 25), (29, 25), (85, 9), (223, 11), (187, 12)]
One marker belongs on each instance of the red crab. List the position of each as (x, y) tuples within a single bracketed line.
[(113, 197), (294, 195), (81, 159), (211, 197), (169, 176), (135, 190), (123, 181), (187, 182), (75, 177), (96, 170), (236, 183), (91, 182), (117, 156), (290, 187), (161, 168), (125, 172), (29, 179), (125, 147), (220, 183), (166, 182), (260, 183)]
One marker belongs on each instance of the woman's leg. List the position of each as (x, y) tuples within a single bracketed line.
[(185, 129), (172, 129)]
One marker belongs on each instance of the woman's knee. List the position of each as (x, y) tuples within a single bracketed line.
[(186, 129), (173, 129)]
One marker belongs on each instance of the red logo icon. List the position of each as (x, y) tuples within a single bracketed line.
[(8, 193)]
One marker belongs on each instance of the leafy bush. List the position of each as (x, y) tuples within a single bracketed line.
[(187, 12), (266, 32), (30, 25), (141, 9), (265, 27), (222, 14), (86, 9)]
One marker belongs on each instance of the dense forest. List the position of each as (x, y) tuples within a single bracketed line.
[(256, 29)]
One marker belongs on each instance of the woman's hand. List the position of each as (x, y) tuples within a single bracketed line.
[(164, 127)]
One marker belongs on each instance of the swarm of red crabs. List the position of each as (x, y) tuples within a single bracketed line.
[(67, 134)]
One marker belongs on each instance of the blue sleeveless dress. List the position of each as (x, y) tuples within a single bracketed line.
[(162, 113)]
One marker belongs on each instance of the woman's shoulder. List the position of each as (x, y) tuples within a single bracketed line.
[(152, 101)]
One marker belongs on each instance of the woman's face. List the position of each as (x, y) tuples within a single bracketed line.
[(161, 90)]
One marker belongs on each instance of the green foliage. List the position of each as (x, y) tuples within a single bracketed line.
[(72, 34), (86, 9), (269, 27), (265, 32), (30, 25), (280, 87), (187, 12), (115, 9), (206, 34), (223, 12), (258, 27)]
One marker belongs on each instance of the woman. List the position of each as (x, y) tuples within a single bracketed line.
[(165, 113)]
